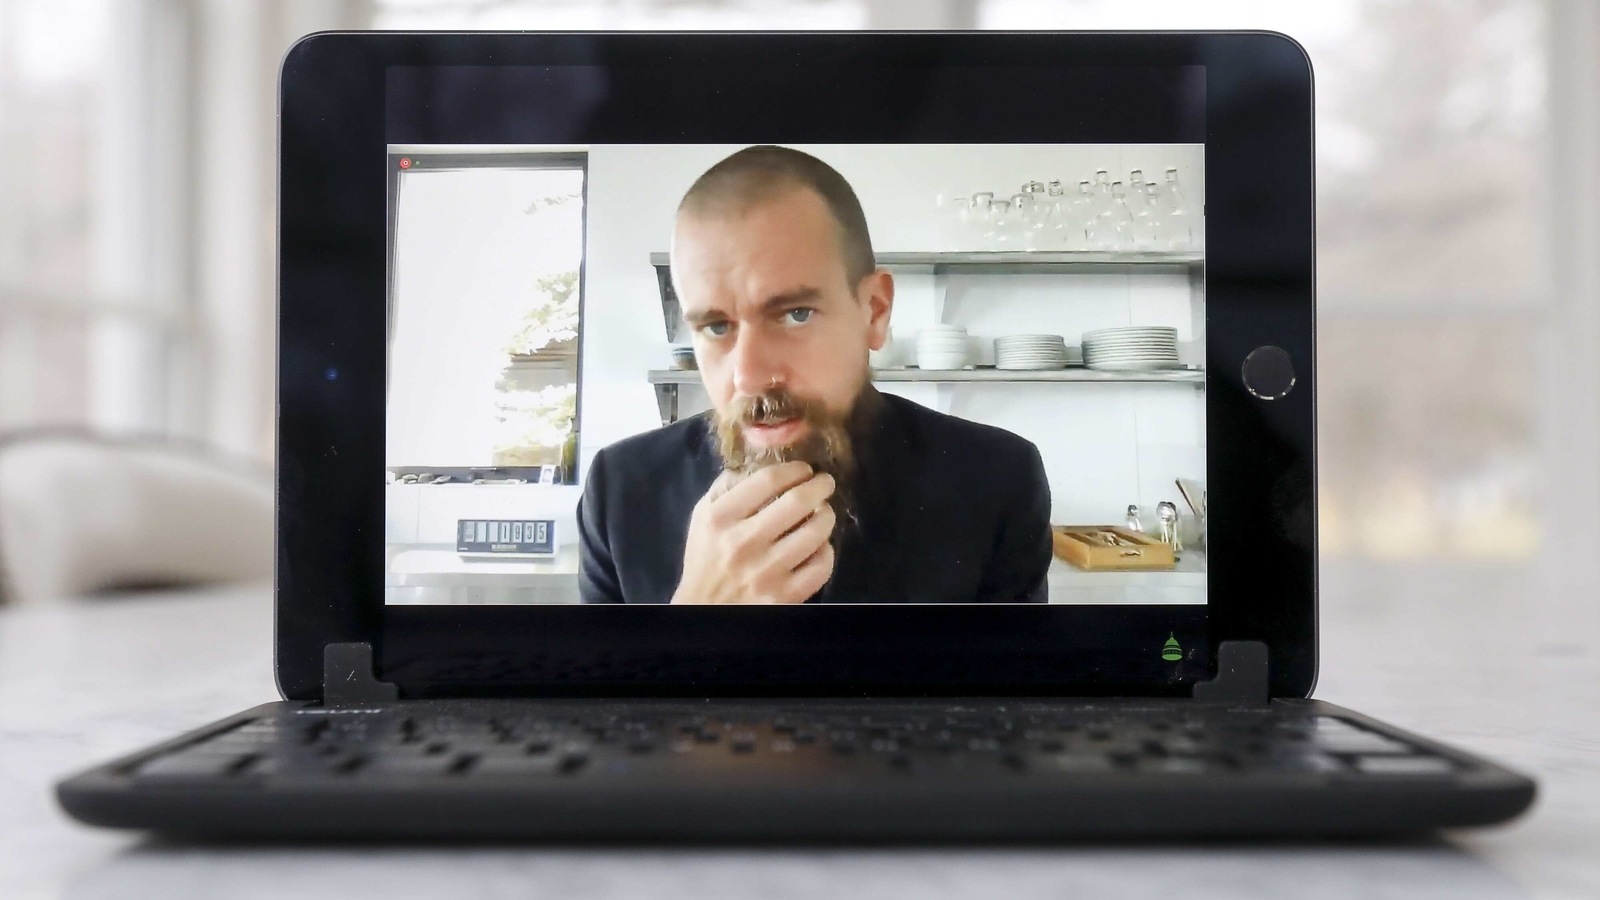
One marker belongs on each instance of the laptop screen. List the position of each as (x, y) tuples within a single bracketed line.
[(828, 373)]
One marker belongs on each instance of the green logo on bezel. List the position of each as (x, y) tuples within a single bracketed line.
[(1170, 651)]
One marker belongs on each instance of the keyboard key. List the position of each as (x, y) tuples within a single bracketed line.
[(1300, 763), (1361, 742), (542, 765), (190, 766), (1405, 765), (408, 766), (1077, 764), (1178, 765), (1337, 736)]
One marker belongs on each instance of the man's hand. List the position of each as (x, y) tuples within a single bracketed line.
[(762, 539)]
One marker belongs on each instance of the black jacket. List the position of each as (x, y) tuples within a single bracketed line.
[(951, 511)]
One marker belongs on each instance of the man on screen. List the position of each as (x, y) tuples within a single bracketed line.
[(804, 482)]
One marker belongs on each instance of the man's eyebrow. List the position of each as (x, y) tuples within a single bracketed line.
[(699, 317), (789, 298), (775, 303)]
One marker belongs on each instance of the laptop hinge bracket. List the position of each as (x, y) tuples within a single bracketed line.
[(348, 679), (1241, 675)]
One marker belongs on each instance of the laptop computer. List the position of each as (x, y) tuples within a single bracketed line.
[(796, 436)]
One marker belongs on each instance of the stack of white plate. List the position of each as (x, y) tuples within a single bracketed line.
[(942, 347), (1131, 349), (1030, 351)]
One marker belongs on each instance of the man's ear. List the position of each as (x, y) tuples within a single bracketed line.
[(877, 291)]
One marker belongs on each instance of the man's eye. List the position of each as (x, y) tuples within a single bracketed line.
[(715, 329), (799, 315)]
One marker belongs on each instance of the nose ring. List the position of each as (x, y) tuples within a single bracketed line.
[(774, 382)]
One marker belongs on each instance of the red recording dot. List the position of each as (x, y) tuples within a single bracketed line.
[(405, 162)]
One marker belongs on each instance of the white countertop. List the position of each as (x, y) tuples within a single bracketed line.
[(1470, 658), (430, 574)]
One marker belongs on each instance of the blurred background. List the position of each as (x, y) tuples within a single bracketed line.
[(1459, 232)]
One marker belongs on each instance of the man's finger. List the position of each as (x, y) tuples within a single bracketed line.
[(795, 506), (721, 485), (744, 499), (795, 548), (811, 576)]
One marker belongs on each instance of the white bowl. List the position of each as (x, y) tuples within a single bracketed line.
[(1031, 339), (941, 360)]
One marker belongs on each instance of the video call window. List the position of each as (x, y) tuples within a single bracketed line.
[(823, 373), (484, 311)]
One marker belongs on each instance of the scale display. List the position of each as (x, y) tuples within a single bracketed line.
[(508, 537)]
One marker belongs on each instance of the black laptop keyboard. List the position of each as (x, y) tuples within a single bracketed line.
[(510, 740)]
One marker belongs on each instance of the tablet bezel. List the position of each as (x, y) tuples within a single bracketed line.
[(332, 368)]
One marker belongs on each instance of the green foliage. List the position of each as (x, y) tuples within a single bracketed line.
[(552, 316)]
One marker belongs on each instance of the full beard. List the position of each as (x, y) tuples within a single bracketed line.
[(828, 443)]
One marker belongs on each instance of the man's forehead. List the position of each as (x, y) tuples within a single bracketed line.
[(726, 271)]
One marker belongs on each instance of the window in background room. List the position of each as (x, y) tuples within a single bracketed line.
[(52, 71), (485, 296), (1433, 277), (667, 15)]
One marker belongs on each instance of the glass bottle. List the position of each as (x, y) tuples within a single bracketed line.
[(1122, 217), (1055, 218), (569, 456), (1151, 219), (1082, 217), (1136, 188), (1180, 224), (1035, 215), (1102, 227)]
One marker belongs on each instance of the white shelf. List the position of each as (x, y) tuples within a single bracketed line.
[(428, 576), (1023, 260), (988, 375)]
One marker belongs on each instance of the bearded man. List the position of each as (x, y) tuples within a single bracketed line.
[(803, 483)]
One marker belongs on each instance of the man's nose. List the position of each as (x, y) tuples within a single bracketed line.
[(757, 367)]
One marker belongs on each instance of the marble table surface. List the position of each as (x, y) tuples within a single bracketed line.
[(1460, 656)]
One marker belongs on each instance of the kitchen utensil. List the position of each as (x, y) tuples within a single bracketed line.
[(1167, 511), (1192, 492), (1133, 519)]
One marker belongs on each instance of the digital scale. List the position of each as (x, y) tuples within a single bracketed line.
[(501, 538)]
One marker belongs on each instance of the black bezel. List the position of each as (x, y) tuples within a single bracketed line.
[(802, 88)]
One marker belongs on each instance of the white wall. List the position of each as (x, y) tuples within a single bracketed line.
[(1104, 446)]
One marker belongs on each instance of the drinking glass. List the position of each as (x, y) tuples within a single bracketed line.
[(1001, 224), (952, 210), (980, 220)]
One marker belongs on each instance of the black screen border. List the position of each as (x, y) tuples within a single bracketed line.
[(332, 363)]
